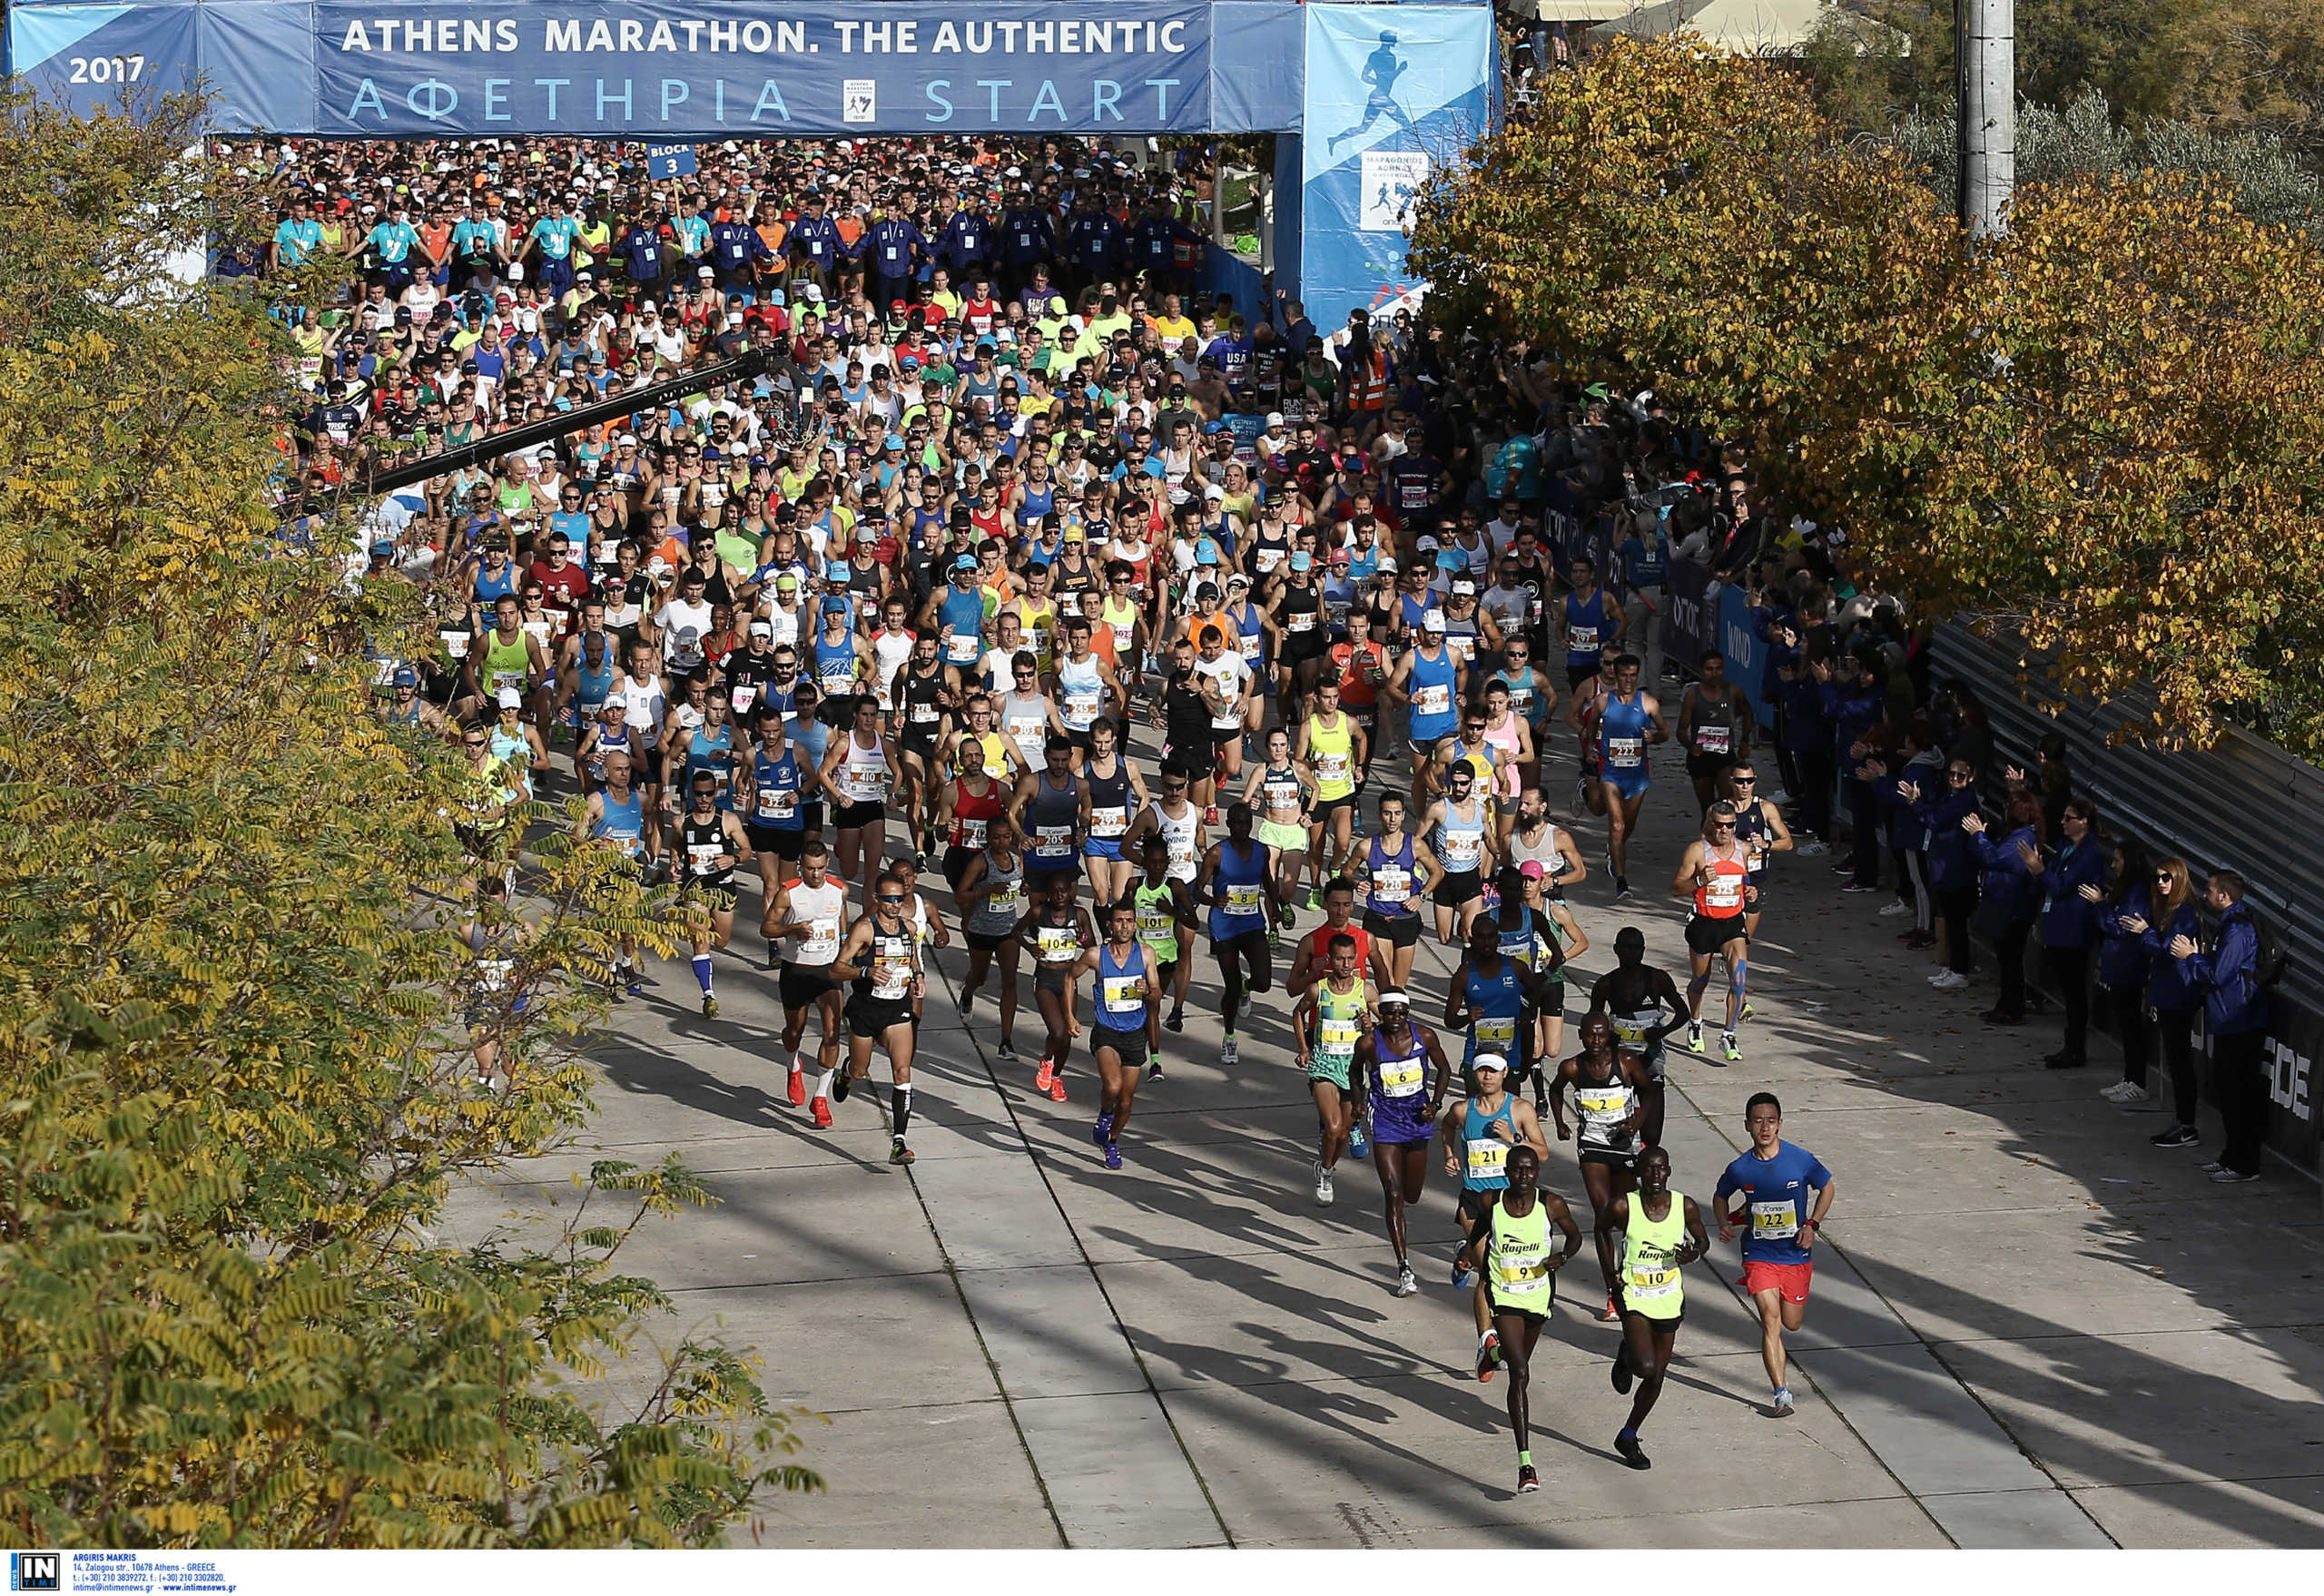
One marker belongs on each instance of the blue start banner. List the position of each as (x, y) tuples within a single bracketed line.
[(657, 69)]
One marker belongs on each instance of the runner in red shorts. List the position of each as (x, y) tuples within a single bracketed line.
[(1775, 1181)]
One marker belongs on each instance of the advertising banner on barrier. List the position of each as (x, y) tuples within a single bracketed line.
[(1740, 641), (1692, 627), (1391, 91)]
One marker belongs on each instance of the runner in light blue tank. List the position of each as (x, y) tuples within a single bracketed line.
[(1630, 722)]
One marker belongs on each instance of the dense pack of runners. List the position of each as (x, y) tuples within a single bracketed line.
[(1037, 615)]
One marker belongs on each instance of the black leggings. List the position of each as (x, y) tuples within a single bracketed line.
[(1954, 906), (2126, 1009), (2070, 968), (2174, 1038), (2009, 955)]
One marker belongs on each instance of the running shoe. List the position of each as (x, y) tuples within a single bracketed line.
[(2176, 1135), (1622, 1375), (1889, 910), (1488, 1356), (1005, 1052), (1407, 1283), (1609, 1313), (1113, 1157), (709, 1007), (1694, 1036), (1056, 1088), (898, 1153), (1727, 1045), (822, 1114), (1314, 898), (1632, 1452), (1860, 887), (1812, 846), (797, 1093), (2126, 1091), (1154, 1071), (1359, 1140), (1047, 1074), (1322, 1186), (1621, 888), (1275, 939), (919, 859), (2234, 1177), (636, 987), (2209, 1164), (1527, 1482), (1462, 1279), (1779, 1405), (844, 1085), (1177, 1022), (1103, 1131), (1230, 1049), (1747, 1011), (966, 1003), (1952, 980)]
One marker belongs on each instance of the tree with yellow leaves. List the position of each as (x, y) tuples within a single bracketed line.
[(237, 988), (2098, 432)]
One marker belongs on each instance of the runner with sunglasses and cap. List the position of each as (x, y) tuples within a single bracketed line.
[(1716, 875), (880, 958)]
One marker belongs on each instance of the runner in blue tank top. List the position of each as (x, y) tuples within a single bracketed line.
[(1237, 879), (1487, 997), (1127, 1004), (1401, 1066), (1630, 723)]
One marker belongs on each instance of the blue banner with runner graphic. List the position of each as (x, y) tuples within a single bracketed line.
[(1391, 91)]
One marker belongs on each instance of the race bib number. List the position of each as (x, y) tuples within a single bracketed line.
[(744, 696), (456, 644), (1332, 767), (1488, 1159), (1392, 884), (1121, 995), (964, 648), (1608, 1108), (1109, 822), (1081, 703), (1402, 1079), (891, 978), (1052, 839), (1714, 739), (1335, 1040), (1496, 1030), (1581, 639), (1522, 1272), (822, 938), (1434, 699), (1461, 849), (1304, 622), (1006, 900), (1243, 900), (1725, 892), (778, 803), (972, 832), (1775, 1221), (702, 858), (1625, 751), (1461, 646), (1058, 943), (1648, 1284)]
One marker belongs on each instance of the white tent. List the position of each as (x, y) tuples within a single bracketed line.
[(1746, 27)]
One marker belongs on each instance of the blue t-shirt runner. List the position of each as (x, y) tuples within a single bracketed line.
[(1781, 1189)]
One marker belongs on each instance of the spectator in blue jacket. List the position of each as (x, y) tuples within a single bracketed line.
[(1093, 239), (2012, 895), (1853, 697), (1952, 863), (2168, 993), (966, 244), (1804, 737), (2226, 971), (735, 251), (2071, 884), (1907, 837), (2121, 969)]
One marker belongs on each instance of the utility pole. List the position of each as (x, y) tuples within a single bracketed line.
[(1985, 49)]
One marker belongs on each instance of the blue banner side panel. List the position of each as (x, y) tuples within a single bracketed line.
[(258, 57), (1390, 92), (1258, 57), (1288, 220)]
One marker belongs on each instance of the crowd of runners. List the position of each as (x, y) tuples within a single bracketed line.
[(1036, 612)]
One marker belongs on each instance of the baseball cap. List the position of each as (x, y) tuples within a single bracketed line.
[(1206, 552), (762, 628), (1341, 557), (1303, 561), (1237, 580), (1464, 586), (967, 562), (405, 676), (892, 441), (1275, 419), (1433, 621), (1532, 870), (834, 605), (508, 699), (1493, 1062)]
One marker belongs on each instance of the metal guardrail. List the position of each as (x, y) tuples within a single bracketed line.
[(2241, 804)]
